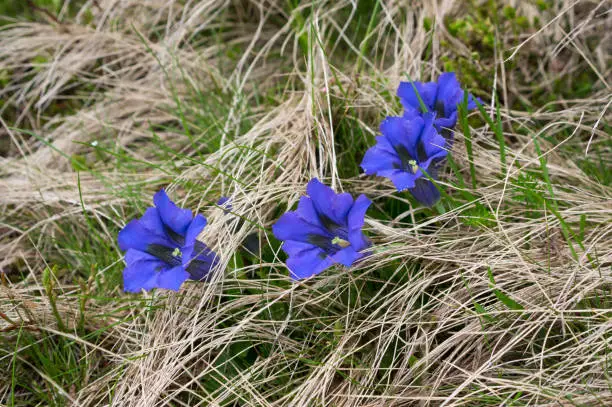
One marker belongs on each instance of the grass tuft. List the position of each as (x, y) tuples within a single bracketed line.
[(499, 295)]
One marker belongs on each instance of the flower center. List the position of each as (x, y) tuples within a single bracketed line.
[(166, 254), (414, 167), (177, 253), (340, 242)]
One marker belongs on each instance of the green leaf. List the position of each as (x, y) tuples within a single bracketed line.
[(483, 312), (507, 301)]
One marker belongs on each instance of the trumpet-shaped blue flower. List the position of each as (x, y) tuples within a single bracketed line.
[(162, 249), (325, 229), (406, 148), (226, 204), (223, 200), (440, 97)]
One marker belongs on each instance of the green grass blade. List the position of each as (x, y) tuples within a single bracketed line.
[(503, 298)]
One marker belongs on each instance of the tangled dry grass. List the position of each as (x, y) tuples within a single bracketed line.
[(491, 302)]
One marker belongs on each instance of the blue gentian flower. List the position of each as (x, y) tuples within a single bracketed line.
[(324, 230), (223, 200), (440, 97), (162, 249), (225, 203), (406, 148)]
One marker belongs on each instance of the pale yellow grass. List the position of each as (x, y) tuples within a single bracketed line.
[(553, 348)]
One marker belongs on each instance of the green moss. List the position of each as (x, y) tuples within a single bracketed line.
[(509, 12)]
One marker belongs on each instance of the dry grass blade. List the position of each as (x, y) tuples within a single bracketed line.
[(501, 296)]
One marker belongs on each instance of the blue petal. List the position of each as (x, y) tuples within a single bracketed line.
[(141, 271), (152, 222), (346, 256), (130, 237), (307, 211), (295, 248), (225, 203), (357, 214), (450, 93), (425, 166), (446, 122), (425, 192), (380, 157), (136, 236), (133, 256), (194, 229), (136, 279), (472, 102), (433, 166), (403, 133), (433, 142), (172, 278), (356, 219), (291, 226), (174, 217), (409, 99), (385, 145), (447, 83), (327, 202), (308, 263), (404, 180), (411, 114), (202, 262)]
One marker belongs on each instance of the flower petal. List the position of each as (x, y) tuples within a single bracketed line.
[(294, 248), (433, 142), (151, 221), (141, 271), (427, 92), (357, 214), (175, 218), (356, 219), (202, 262), (403, 135), (308, 263), (446, 122), (328, 203), (379, 158), (425, 192), (346, 256), (194, 229), (450, 93), (172, 278), (472, 102), (136, 279), (251, 244), (136, 236), (133, 256), (225, 203), (291, 226), (404, 180), (308, 212)]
